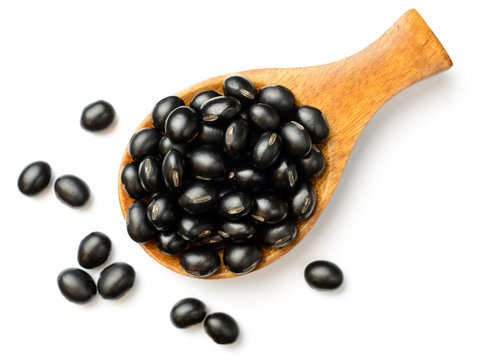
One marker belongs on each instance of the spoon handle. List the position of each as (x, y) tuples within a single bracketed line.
[(360, 84)]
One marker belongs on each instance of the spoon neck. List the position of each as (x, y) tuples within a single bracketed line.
[(361, 83)]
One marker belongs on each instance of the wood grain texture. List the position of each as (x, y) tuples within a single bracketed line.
[(348, 92)]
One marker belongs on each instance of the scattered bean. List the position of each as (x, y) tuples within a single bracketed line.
[(34, 178), (97, 116)]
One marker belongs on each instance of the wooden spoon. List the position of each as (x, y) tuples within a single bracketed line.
[(348, 92)]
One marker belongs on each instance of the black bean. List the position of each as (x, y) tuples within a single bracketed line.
[(284, 176), (278, 235), (138, 225), (314, 121), (248, 178), (220, 108), (173, 170), (97, 116), (210, 135), (198, 197), (71, 190), (313, 164), (143, 143), (116, 280), (170, 243), (166, 144), (296, 140), (94, 250), (203, 96), (130, 181), (187, 312), (269, 209), (265, 149), (222, 328), (236, 138), (195, 228), (34, 178), (237, 230), (278, 97), (234, 205), (241, 258), (76, 285), (182, 124), (161, 212), (240, 88), (205, 163), (302, 200), (150, 174), (263, 117), (323, 275), (162, 109), (199, 261)]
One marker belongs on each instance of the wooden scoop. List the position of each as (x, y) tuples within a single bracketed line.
[(348, 92)]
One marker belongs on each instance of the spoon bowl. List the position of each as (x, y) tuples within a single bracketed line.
[(348, 92)]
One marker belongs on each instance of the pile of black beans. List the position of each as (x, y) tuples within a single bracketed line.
[(226, 172)]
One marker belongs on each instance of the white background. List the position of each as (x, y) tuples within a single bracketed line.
[(404, 223)]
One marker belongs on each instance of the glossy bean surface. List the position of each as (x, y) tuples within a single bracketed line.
[(34, 178), (130, 181), (313, 164), (143, 143), (162, 212), (182, 125), (222, 328), (76, 285), (219, 108), (296, 140), (314, 121), (97, 116), (278, 97), (162, 109), (234, 205), (265, 149), (237, 230), (263, 117), (170, 243), (166, 144), (173, 170), (240, 88), (72, 190), (187, 312), (205, 163), (138, 225), (278, 235), (203, 96), (196, 227), (199, 261), (241, 258), (116, 280), (284, 176), (302, 200), (198, 197), (323, 275), (150, 174), (94, 249), (269, 209)]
